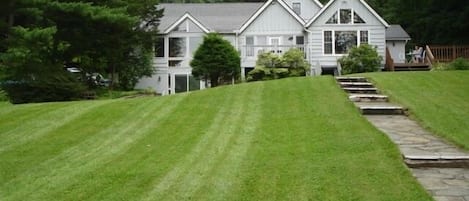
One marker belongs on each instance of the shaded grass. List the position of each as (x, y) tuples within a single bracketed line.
[(439, 100), (291, 139)]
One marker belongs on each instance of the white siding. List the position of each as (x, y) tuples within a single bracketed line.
[(308, 8), (376, 32), (274, 20), (397, 50)]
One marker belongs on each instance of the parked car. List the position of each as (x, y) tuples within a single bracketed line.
[(95, 79)]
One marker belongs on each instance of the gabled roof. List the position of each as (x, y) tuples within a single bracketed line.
[(219, 17), (264, 7), (396, 32), (361, 1), (186, 16), (318, 3)]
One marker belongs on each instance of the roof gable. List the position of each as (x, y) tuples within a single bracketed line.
[(183, 18), (329, 6), (396, 32), (264, 7), (219, 17)]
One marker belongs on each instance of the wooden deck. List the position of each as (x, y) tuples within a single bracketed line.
[(412, 67), (426, 65)]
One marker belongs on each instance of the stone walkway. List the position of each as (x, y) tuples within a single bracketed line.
[(439, 166)]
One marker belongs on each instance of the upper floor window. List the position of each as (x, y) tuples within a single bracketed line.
[(177, 47), (297, 8), (159, 47), (345, 16)]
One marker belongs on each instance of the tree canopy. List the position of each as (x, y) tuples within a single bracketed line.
[(216, 60), (112, 36)]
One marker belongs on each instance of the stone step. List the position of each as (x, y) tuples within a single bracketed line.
[(360, 90), (382, 110), (356, 84), (376, 108), (351, 79), (443, 161), (368, 98)]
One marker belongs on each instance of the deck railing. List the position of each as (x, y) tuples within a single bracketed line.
[(448, 53), (254, 50)]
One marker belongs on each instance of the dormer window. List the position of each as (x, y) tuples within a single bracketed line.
[(297, 8), (345, 16)]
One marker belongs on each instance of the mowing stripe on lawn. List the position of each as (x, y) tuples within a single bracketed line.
[(44, 123), (91, 153), (225, 142)]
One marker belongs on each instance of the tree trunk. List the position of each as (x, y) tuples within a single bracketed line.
[(11, 15), (214, 80)]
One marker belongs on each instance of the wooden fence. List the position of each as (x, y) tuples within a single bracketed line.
[(447, 53)]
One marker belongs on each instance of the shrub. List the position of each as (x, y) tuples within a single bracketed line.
[(272, 66), (439, 66), (459, 64), (53, 88), (363, 58), (3, 96), (216, 60)]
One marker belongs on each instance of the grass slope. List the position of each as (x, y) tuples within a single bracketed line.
[(291, 139), (439, 100)]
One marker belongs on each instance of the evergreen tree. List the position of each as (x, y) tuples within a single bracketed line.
[(101, 36), (216, 60)]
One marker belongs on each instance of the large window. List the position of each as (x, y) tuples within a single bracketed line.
[(180, 84), (344, 40), (177, 47), (185, 82), (345, 16), (340, 42)]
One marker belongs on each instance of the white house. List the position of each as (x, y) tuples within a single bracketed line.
[(323, 32)]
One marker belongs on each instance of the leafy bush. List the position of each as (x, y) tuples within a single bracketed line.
[(459, 64), (3, 96), (272, 66), (53, 88), (363, 58)]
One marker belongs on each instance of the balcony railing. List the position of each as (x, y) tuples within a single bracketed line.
[(254, 50)]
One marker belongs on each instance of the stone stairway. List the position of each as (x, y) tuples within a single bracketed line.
[(437, 164), (367, 98)]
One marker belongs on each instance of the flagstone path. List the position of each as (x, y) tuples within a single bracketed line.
[(441, 168)]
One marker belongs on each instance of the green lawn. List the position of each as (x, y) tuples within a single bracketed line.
[(439, 100), (291, 139)]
